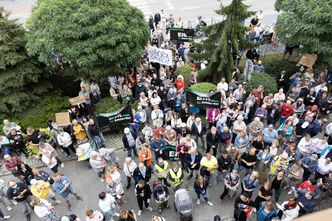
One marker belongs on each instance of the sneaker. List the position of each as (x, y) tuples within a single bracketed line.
[(62, 165), (9, 208), (6, 217), (290, 192), (79, 198), (102, 180), (139, 212), (198, 202), (127, 187), (190, 176), (150, 209), (14, 202), (210, 204)]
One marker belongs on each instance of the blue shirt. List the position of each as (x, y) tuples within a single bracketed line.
[(269, 136), (262, 215), (59, 186)]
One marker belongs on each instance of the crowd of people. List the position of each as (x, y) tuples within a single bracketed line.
[(257, 146)]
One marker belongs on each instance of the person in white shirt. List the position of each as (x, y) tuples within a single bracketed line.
[(155, 99), (280, 96), (305, 146), (222, 85), (324, 167), (44, 210), (98, 163), (93, 215), (239, 93), (129, 167), (65, 142), (157, 116), (107, 206)]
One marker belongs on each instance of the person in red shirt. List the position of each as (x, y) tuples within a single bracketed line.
[(258, 93), (180, 85), (308, 185), (286, 110)]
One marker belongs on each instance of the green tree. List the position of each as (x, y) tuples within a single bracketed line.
[(19, 74), (91, 37), (306, 23), (225, 40)]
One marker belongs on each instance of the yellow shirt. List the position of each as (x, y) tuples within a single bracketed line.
[(81, 135), (209, 163), (41, 190)]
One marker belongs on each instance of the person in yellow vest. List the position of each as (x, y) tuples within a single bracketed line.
[(161, 169), (209, 164), (175, 176), (42, 190)]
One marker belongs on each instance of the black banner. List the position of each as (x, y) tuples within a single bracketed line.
[(108, 120), (170, 153), (204, 100), (181, 34)]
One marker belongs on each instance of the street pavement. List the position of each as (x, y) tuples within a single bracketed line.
[(88, 185), (187, 9)]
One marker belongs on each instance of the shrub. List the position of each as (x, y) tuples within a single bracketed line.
[(185, 71), (273, 68), (108, 105), (204, 87), (38, 116), (269, 83)]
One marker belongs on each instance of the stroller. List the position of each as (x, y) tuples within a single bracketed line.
[(183, 204)]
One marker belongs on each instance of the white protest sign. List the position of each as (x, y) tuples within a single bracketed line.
[(161, 56)]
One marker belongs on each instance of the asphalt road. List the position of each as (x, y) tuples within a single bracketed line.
[(187, 9), (88, 185)]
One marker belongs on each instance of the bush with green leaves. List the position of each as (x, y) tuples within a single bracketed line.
[(45, 110), (185, 71), (269, 83), (204, 87), (273, 67)]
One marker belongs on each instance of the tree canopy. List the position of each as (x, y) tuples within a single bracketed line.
[(19, 73), (92, 37), (307, 23), (224, 41)]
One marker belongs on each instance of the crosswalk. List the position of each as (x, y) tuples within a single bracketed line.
[(143, 5)]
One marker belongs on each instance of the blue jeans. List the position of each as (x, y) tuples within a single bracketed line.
[(204, 195), (98, 141), (130, 149)]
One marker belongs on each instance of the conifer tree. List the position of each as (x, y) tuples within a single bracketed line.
[(19, 75), (224, 41)]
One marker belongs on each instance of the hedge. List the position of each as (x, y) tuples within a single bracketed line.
[(204, 87), (269, 83), (38, 115)]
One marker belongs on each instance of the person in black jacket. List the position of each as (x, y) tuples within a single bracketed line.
[(143, 194), (20, 193), (283, 81), (142, 173), (129, 141), (212, 140), (193, 160), (98, 140), (225, 165), (198, 130)]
